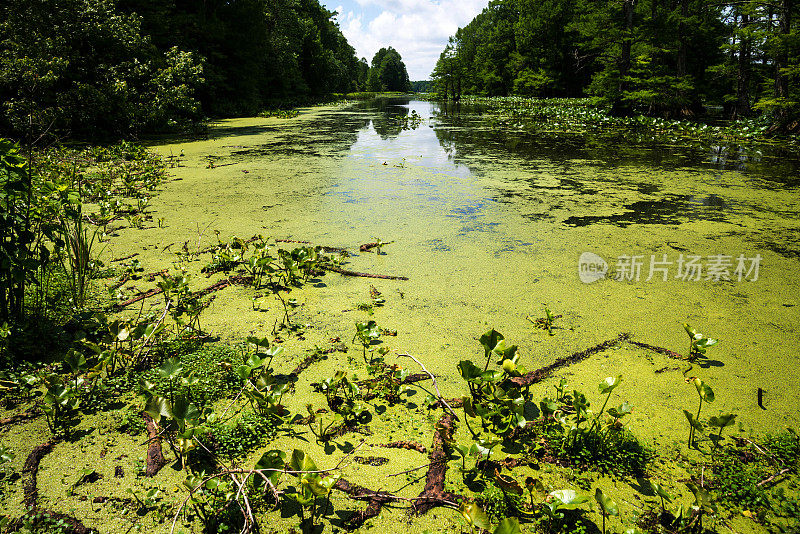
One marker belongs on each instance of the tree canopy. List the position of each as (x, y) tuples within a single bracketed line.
[(115, 68), (660, 57), (388, 72)]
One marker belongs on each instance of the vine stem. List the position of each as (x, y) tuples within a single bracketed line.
[(435, 384)]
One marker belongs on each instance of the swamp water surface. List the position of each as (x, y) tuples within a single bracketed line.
[(489, 227)]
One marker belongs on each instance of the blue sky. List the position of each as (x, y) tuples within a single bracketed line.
[(418, 29)]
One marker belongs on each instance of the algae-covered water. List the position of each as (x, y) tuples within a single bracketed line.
[(490, 226)]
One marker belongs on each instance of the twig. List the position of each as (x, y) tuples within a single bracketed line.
[(363, 275), (414, 469), (773, 477), (435, 384), (153, 333)]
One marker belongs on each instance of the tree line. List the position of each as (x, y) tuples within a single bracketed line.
[(118, 68), (659, 57)]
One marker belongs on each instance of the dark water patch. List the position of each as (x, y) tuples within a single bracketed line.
[(668, 211)]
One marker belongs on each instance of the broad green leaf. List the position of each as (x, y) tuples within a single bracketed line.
[(467, 403), (468, 370), (507, 483), (474, 515), (156, 407), (697, 425), (606, 503), (509, 525), (660, 491), (608, 385), (302, 462), (170, 368), (568, 499), (489, 340), (721, 421), (183, 410)]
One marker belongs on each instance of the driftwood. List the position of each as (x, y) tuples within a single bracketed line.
[(408, 445), (222, 284), (543, 372), (137, 298), (155, 456), (24, 416), (376, 500), (362, 275), (126, 257), (31, 492), (434, 494), (660, 350)]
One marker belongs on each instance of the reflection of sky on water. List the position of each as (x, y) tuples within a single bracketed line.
[(455, 163)]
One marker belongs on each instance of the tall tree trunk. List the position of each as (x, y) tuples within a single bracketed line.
[(682, 39), (782, 59), (743, 72), (625, 57)]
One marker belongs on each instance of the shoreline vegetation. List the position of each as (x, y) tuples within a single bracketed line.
[(153, 424)]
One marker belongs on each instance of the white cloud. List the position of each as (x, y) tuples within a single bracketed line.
[(418, 29)]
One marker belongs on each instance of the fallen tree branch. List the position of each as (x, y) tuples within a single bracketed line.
[(155, 456), (362, 275), (435, 384), (137, 298), (660, 350), (433, 494), (31, 493), (773, 477), (543, 372), (408, 445), (24, 416)]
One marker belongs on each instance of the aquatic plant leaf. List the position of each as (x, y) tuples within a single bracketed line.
[(301, 461), (490, 339), (183, 410), (697, 425), (507, 483), (75, 360), (606, 503), (468, 370), (608, 385), (170, 368), (567, 499), (621, 411), (534, 484), (721, 421), (156, 407), (467, 403), (509, 525), (660, 491), (474, 515)]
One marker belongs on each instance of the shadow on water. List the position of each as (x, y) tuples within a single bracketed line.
[(670, 210)]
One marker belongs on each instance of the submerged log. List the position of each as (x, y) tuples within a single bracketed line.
[(31, 493), (155, 456), (363, 275)]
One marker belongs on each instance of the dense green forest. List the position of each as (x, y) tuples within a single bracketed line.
[(388, 72), (659, 57), (115, 68)]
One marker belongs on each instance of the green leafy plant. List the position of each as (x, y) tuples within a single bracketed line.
[(607, 506), (367, 333), (705, 394), (697, 343), (313, 484)]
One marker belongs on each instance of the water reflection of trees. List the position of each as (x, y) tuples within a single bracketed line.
[(466, 134)]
